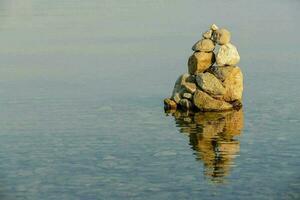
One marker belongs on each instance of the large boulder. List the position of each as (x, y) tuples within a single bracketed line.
[(210, 84), (205, 45), (204, 102), (200, 61), (222, 36), (227, 55), (233, 83)]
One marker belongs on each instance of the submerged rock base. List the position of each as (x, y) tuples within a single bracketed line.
[(209, 87)]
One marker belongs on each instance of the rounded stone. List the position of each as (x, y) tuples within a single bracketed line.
[(207, 34), (170, 104), (204, 102), (233, 83), (214, 27), (190, 87), (178, 87), (222, 36), (210, 84), (205, 45), (227, 55), (187, 95), (200, 61)]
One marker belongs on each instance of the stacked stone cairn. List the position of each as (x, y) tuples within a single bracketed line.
[(209, 87)]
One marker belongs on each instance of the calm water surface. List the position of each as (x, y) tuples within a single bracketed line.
[(81, 114)]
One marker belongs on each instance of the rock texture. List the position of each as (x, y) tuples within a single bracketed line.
[(207, 34), (204, 102), (233, 83), (200, 61), (210, 84), (222, 36), (205, 45), (214, 27), (190, 87), (170, 104), (209, 87), (227, 55)]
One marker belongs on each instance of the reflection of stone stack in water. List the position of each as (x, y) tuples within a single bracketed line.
[(212, 136), (207, 87)]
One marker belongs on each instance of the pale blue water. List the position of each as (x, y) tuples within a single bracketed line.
[(81, 90)]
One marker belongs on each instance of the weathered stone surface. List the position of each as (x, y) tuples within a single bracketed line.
[(185, 83), (187, 95), (206, 45), (204, 102), (178, 87), (207, 34), (233, 83), (210, 88), (210, 84), (216, 71), (185, 104), (214, 27), (222, 36), (200, 61), (190, 87), (227, 55), (170, 104)]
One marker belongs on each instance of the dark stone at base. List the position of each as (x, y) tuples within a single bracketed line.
[(237, 104)]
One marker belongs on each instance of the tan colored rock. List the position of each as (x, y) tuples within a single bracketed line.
[(233, 82), (200, 61), (170, 104), (185, 83), (227, 55), (178, 87), (206, 45), (207, 34), (222, 36), (187, 95), (216, 72), (190, 87), (210, 84), (204, 102), (214, 27)]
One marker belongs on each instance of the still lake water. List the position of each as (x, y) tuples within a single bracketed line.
[(81, 113)]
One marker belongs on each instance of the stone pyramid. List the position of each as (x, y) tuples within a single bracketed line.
[(214, 82)]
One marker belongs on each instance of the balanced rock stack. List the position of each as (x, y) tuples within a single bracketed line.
[(209, 87)]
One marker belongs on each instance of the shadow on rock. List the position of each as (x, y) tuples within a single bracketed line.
[(212, 136)]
